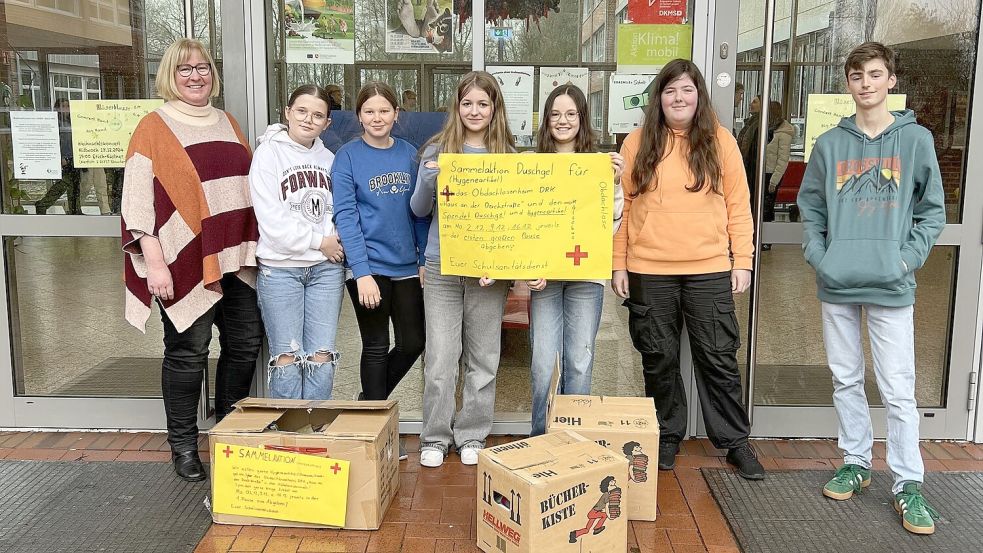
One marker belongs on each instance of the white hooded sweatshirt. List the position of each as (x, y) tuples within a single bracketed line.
[(291, 189)]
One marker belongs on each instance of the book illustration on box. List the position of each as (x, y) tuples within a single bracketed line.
[(610, 501), (638, 462)]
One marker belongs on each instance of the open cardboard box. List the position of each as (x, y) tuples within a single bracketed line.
[(365, 433), (625, 425), (558, 492)]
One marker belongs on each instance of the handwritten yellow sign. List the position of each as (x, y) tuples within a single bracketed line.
[(526, 215), (255, 482), (101, 129), (824, 112)]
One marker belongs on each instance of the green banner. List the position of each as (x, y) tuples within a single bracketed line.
[(646, 48)]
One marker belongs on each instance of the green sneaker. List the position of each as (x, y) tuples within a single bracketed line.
[(848, 480), (917, 516)]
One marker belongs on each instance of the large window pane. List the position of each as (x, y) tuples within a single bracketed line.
[(106, 53)]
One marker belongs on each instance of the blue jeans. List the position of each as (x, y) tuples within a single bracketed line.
[(565, 318), (892, 344), (300, 307)]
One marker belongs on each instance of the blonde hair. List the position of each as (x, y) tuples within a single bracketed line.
[(498, 137), (177, 53)]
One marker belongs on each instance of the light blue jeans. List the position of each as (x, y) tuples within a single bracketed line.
[(565, 318), (892, 343), (300, 307), (464, 328)]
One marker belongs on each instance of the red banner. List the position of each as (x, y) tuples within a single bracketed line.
[(663, 12)]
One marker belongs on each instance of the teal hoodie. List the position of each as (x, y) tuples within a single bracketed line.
[(872, 208)]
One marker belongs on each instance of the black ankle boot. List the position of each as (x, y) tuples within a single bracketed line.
[(188, 466)]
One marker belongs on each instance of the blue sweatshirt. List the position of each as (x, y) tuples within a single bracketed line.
[(872, 208), (372, 189)]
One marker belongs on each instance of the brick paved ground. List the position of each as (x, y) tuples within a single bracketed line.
[(434, 512)]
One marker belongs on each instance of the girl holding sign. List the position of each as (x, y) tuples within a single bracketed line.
[(301, 277), (684, 251), (373, 180), (463, 314), (565, 315)]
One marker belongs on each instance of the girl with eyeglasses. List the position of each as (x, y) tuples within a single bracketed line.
[(464, 315), (373, 179), (301, 276), (565, 315)]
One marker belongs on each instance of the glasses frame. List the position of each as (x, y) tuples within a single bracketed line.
[(555, 116), (189, 69), (307, 114)]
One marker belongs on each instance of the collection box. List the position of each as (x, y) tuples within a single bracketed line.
[(559, 492), (304, 463), (627, 426)]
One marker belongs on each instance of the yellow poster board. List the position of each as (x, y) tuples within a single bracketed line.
[(101, 129), (526, 216), (255, 482), (824, 111)]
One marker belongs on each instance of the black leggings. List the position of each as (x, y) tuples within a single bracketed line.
[(402, 301)]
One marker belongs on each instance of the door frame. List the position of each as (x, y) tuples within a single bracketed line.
[(958, 418)]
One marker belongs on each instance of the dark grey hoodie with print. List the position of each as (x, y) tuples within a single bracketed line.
[(872, 208)]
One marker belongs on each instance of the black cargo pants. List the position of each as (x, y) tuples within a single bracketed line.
[(658, 305)]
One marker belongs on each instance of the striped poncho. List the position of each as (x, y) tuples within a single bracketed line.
[(186, 183)]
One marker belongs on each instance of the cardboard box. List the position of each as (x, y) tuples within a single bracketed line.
[(557, 492), (625, 425), (364, 433)]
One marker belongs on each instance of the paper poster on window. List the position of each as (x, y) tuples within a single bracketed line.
[(319, 31), (526, 215), (420, 26), (665, 12), (516, 83), (627, 97), (646, 48), (37, 154), (551, 78), (824, 111), (101, 129)]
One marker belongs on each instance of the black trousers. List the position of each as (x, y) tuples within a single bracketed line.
[(186, 359), (71, 182), (401, 302), (658, 306), (768, 208)]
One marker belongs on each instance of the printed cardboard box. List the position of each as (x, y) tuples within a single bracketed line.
[(625, 425), (365, 433), (558, 492)]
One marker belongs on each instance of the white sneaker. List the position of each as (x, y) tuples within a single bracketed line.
[(402, 450), (431, 457), (469, 455)]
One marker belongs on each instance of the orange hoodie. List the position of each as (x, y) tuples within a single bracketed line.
[(672, 231)]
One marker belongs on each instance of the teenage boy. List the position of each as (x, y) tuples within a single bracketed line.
[(872, 207)]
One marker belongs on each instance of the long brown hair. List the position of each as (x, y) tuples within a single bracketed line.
[(658, 139), (498, 137), (584, 142)]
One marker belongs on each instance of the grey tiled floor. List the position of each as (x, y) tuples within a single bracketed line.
[(67, 321)]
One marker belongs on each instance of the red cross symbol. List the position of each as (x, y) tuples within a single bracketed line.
[(335, 468), (447, 193), (227, 451), (576, 254)]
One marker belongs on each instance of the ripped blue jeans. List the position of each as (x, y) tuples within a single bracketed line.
[(300, 308)]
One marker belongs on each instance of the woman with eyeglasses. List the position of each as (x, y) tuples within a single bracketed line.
[(566, 314), (301, 277), (373, 178), (190, 234)]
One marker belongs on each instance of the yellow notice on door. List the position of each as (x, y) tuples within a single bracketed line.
[(255, 482), (526, 215)]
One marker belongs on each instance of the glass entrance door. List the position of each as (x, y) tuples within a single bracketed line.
[(790, 382), (73, 360)]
